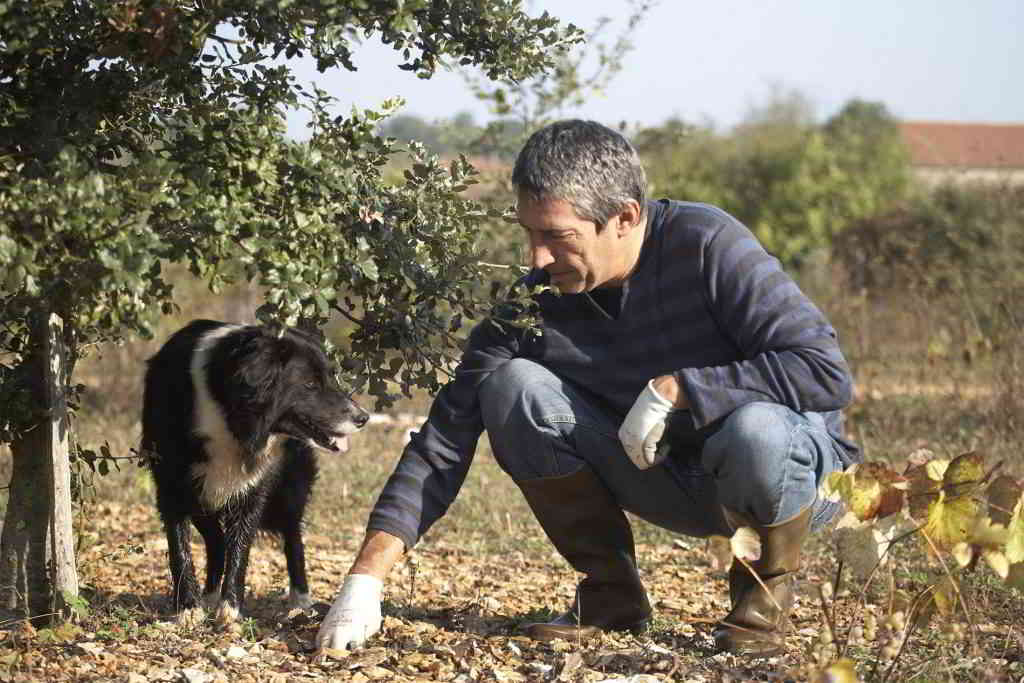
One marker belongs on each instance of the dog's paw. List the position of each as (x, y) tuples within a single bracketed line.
[(191, 617), (298, 600), (226, 615)]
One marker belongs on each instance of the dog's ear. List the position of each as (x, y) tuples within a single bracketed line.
[(310, 332), (255, 366)]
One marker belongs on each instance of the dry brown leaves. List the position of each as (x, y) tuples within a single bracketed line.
[(451, 614)]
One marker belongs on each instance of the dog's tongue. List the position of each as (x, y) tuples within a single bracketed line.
[(341, 443)]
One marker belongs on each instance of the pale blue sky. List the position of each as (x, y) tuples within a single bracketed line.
[(936, 60)]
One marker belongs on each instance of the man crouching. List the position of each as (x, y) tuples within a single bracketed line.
[(680, 374)]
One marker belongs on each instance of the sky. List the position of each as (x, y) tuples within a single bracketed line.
[(712, 62)]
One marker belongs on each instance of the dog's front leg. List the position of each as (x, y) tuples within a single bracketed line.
[(184, 587), (238, 537), (213, 536), (295, 555)]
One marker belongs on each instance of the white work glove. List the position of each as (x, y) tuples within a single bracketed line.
[(643, 427), (354, 616)]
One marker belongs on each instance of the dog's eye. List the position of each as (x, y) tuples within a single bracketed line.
[(311, 385)]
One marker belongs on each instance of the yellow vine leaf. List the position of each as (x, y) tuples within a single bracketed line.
[(838, 486), (871, 490), (840, 671), (952, 510), (1015, 535), (950, 520), (988, 536), (936, 469), (964, 476), (1003, 493), (998, 562), (922, 489)]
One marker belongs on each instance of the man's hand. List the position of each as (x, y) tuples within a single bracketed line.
[(354, 616), (644, 425)]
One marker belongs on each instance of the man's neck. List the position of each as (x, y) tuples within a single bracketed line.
[(633, 244)]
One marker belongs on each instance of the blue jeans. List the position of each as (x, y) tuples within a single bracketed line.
[(764, 460)]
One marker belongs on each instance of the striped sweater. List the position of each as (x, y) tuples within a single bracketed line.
[(705, 302)]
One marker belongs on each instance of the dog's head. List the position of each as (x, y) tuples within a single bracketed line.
[(284, 384)]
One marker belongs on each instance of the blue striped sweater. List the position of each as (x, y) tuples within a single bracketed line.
[(705, 302)]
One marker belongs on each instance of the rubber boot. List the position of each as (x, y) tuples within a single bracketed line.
[(589, 529), (757, 623)]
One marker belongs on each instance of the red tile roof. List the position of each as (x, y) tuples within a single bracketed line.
[(965, 145)]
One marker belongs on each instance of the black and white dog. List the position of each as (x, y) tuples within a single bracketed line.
[(230, 417)]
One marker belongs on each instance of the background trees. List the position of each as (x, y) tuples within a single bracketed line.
[(796, 183), (137, 133)]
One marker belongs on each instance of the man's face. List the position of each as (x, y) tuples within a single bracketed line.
[(576, 256)]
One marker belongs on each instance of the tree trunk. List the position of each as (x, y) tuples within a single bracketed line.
[(38, 576)]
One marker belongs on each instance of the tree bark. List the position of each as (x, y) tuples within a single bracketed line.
[(38, 575)]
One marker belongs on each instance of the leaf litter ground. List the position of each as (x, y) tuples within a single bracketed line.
[(453, 606)]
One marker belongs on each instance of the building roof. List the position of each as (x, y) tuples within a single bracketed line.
[(965, 145)]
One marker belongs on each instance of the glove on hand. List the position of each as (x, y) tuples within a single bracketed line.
[(354, 616), (643, 427)]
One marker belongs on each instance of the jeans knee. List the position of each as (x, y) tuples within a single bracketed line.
[(505, 388), (767, 459), (755, 437), (517, 403)]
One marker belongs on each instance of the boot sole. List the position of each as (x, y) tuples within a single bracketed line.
[(548, 632)]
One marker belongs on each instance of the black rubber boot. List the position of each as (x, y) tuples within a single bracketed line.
[(589, 529), (757, 623)]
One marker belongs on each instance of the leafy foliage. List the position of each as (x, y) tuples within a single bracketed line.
[(134, 133), (957, 246), (955, 506), (796, 184), (521, 106)]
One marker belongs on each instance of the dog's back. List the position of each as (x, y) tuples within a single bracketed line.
[(168, 400)]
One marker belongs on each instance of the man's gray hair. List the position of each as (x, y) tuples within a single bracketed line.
[(585, 163)]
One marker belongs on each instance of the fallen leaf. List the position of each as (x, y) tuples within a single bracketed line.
[(857, 545), (196, 676), (572, 662), (841, 671), (719, 553), (91, 648), (746, 544), (236, 652)]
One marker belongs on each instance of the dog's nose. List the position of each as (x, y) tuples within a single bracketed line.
[(361, 419)]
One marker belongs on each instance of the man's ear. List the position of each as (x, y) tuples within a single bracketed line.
[(630, 217)]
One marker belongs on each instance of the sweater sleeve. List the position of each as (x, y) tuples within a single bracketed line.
[(435, 462), (788, 351)]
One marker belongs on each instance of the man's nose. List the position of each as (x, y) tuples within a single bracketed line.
[(540, 256)]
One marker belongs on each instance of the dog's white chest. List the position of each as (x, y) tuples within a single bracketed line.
[(223, 476)]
